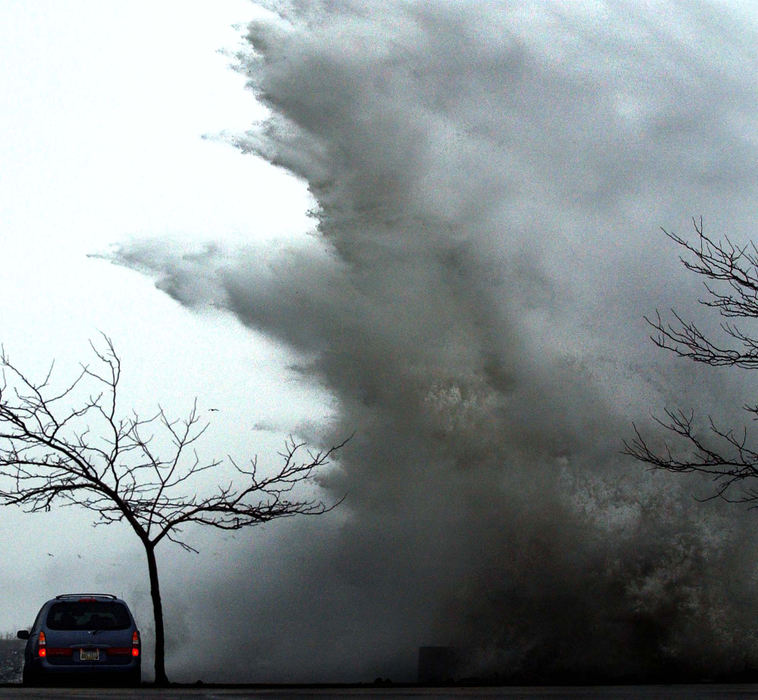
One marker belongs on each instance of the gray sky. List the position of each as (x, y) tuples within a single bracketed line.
[(488, 180), (104, 112)]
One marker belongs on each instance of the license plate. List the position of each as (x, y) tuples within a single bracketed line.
[(89, 654)]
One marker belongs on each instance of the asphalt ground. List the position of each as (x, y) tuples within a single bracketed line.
[(658, 692)]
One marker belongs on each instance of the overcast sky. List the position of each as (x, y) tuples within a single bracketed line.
[(111, 129), (485, 182)]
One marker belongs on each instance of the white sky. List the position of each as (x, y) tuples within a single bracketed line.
[(104, 107)]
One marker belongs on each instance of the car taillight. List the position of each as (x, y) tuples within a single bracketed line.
[(135, 643), (41, 648)]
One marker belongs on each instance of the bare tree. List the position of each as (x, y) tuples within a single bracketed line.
[(731, 286), (92, 456)]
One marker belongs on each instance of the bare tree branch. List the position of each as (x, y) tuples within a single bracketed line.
[(141, 470), (737, 269), (723, 455)]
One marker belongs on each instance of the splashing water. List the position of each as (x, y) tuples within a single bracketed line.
[(488, 179)]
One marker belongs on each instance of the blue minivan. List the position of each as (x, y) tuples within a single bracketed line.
[(83, 637)]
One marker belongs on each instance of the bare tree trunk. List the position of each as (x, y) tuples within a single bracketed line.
[(48, 453), (155, 593)]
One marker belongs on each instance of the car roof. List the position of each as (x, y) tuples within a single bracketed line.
[(84, 598), (80, 596)]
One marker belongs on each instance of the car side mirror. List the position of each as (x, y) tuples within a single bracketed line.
[(23, 634)]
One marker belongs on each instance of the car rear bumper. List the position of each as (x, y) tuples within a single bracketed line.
[(40, 672)]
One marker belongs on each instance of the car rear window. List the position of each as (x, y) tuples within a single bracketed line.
[(88, 615)]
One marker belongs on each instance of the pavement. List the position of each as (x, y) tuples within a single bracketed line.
[(219, 692)]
